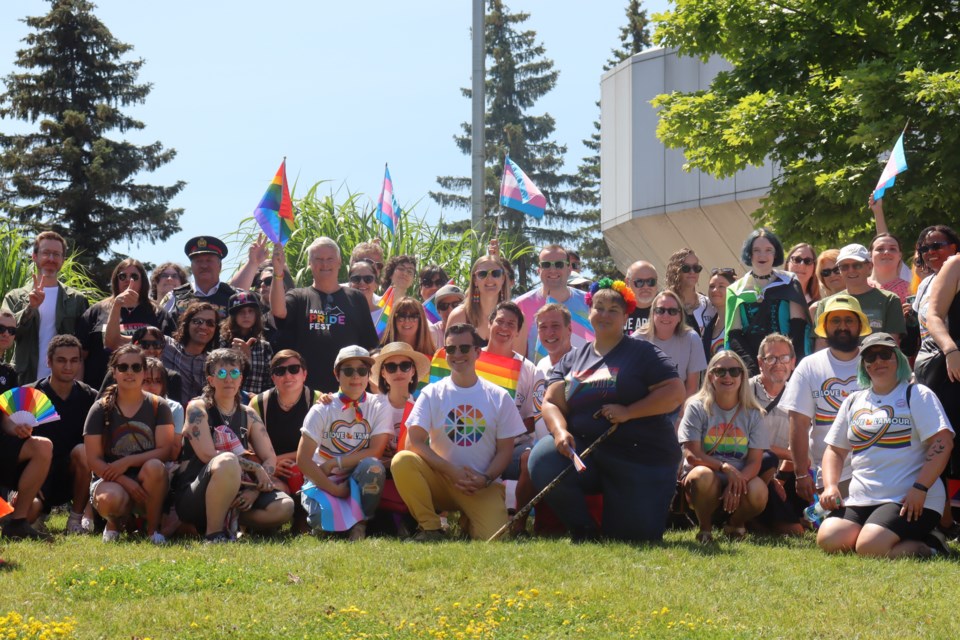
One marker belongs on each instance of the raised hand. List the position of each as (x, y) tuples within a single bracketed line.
[(36, 293), (258, 250)]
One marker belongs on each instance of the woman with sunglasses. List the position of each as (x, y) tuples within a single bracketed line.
[(683, 275), (615, 380), (488, 287), (714, 334), (935, 246), (900, 439), (764, 301), (801, 262), (155, 381), (408, 324), (723, 440), (432, 278), (128, 308), (218, 482), (669, 331), (152, 342), (128, 436), (363, 278), (828, 274), (186, 352), (340, 444)]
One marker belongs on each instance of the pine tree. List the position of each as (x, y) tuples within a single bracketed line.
[(68, 175), (634, 38), (518, 74)]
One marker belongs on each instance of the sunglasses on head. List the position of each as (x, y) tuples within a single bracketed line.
[(8, 330), (723, 271), (123, 367), (799, 260), (931, 246), (721, 372), (233, 373), (673, 311), (871, 356), (368, 279), (355, 371), (437, 282), (645, 282), (122, 277), (391, 367), (451, 349), (150, 344), (687, 268), (443, 306), (826, 273), (555, 264), (493, 273), (282, 369), (199, 322)]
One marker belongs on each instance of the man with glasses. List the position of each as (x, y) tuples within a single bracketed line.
[(447, 298), (554, 270), (459, 441), (882, 308), (43, 309), (206, 255), (642, 278)]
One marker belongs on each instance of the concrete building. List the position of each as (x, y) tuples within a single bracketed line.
[(650, 206)]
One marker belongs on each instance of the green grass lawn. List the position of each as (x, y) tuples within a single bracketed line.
[(311, 588)]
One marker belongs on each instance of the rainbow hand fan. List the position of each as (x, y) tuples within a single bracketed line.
[(28, 406)]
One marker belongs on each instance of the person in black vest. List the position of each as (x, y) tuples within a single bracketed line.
[(206, 255)]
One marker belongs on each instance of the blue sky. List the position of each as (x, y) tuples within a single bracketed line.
[(338, 88)]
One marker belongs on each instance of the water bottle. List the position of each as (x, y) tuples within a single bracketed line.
[(815, 513)]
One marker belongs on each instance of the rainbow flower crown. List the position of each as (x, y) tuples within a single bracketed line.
[(617, 285)]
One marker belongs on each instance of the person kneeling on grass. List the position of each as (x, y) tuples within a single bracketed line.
[(340, 444), (900, 441), (723, 440)]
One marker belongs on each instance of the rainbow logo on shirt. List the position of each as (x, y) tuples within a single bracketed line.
[(833, 391), (465, 425), (872, 428), (726, 440)]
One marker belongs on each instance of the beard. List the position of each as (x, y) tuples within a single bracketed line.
[(843, 341)]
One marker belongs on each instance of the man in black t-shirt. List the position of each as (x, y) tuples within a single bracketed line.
[(642, 278), (319, 320)]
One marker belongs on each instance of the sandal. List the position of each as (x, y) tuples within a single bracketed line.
[(735, 533), (705, 537)]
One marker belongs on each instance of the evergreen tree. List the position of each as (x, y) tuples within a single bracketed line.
[(634, 38), (518, 74), (68, 175)]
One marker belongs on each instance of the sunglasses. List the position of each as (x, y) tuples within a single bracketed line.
[(169, 275), (443, 306), (871, 356), (266, 283), (664, 310), (123, 367), (556, 264), (933, 246), (645, 282), (427, 282), (363, 279), (12, 331), (150, 344), (722, 372), (493, 273), (355, 371), (200, 322), (799, 260), (687, 268), (784, 359), (575, 266), (282, 369), (452, 349), (826, 273), (407, 316), (133, 277), (234, 373), (391, 367), (846, 266)]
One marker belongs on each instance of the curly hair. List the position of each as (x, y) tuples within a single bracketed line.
[(952, 238), (158, 271), (673, 268), (424, 340), (392, 265), (182, 334)]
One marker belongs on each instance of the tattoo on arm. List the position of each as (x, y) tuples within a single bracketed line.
[(195, 417), (269, 469), (250, 465), (936, 448)]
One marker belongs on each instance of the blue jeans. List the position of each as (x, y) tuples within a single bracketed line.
[(636, 496)]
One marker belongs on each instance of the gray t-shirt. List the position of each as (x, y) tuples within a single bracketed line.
[(686, 351), (727, 435), (129, 436)]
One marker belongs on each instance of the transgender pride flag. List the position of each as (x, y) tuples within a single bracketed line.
[(388, 211), (518, 192), (896, 165)]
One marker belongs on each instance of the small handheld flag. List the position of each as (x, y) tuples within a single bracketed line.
[(386, 306), (896, 164), (518, 192), (274, 214), (388, 211)]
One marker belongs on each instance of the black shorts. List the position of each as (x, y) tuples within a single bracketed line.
[(10, 465), (190, 496), (57, 489), (887, 515)]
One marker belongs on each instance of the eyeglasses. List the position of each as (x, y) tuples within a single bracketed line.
[(443, 306), (355, 371), (150, 344), (11, 331), (784, 359), (233, 373), (723, 271), (722, 372), (407, 316), (645, 282), (282, 369), (826, 273), (665, 310), (799, 260), (493, 273), (871, 356), (856, 266), (575, 266), (169, 275), (933, 246), (427, 282), (391, 367), (133, 277), (363, 279), (452, 349), (200, 322), (51, 255), (687, 268), (123, 367), (555, 264)]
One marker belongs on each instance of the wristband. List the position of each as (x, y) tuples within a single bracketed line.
[(917, 485), (340, 463), (954, 350), (489, 479), (803, 477)]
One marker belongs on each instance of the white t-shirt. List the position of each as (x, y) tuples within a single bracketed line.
[(886, 440), (464, 423), (539, 389), (816, 389), (48, 328), (337, 430)]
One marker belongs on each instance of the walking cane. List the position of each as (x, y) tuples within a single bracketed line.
[(537, 498)]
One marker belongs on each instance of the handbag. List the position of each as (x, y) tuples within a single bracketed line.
[(931, 365)]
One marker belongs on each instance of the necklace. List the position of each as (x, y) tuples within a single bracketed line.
[(766, 277), (284, 406), (227, 417)]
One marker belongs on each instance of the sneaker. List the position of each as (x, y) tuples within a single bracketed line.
[(158, 538), (952, 532), (110, 536), (358, 532), (938, 543), (216, 538), (431, 535), (20, 529), (75, 523)]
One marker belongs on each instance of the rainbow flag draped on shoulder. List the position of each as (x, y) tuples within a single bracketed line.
[(274, 214), (502, 371), (386, 310)]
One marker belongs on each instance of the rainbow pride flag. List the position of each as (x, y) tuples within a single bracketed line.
[(430, 307), (386, 306), (274, 214), (502, 371), (580, 323), (388, 211), (518, 192)]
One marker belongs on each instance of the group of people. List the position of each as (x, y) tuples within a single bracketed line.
[(192, 405)]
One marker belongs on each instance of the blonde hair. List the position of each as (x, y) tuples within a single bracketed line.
[(708, 394), (682, 326)]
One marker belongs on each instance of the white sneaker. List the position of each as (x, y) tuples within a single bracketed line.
[(86, 524), (110, 536), (158, 538)]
